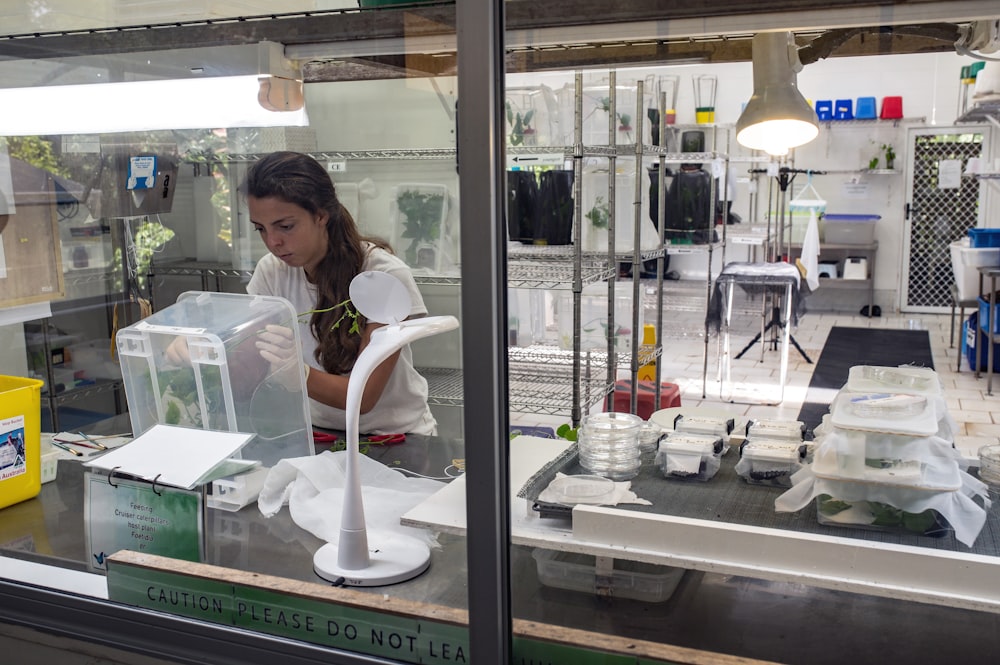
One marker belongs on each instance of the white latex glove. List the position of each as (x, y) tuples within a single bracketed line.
[(177, 352), (276, 345)]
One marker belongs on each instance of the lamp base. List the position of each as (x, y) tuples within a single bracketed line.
[(392, 559)]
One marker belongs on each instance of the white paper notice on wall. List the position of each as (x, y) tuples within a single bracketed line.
[(855, 190), (949, 174)]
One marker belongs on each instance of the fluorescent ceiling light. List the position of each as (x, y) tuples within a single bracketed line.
[(197, 103), (777, 117)]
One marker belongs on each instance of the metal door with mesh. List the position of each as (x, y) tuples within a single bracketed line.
[(937, 213)]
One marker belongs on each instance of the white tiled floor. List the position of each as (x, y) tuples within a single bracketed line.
[(755, 379)]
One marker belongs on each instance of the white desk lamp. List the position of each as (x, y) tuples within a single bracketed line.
[(395, 558)]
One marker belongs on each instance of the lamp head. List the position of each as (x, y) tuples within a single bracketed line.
[(777, 117)]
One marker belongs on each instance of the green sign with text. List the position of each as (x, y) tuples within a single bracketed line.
[(400, 638)]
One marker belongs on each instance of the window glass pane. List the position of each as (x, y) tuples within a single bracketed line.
[(176, 254)]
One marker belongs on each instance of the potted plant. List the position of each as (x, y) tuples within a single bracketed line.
[(423, 211), (625, 126), (595, 234), (521, 132), (624, 119), (890, 156), (599, 214)]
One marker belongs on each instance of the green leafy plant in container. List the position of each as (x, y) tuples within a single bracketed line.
[(599, 215), (521, 131), (423, 213)]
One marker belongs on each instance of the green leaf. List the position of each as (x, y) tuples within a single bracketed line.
[(919, 522), (566, 432), (830, 506)]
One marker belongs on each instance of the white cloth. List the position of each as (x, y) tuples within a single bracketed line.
[(403, 405), (810, 251), (313, 488)]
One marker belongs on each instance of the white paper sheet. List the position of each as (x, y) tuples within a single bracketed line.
[(177, 456)]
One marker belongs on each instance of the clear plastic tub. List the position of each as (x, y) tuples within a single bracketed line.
[(880, 516), (627, 579), (225, 385), (690, 456), (770, 461)]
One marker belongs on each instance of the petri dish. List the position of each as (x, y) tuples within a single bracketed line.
[(582, 489)]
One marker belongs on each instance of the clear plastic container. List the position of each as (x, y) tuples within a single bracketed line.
[(880, 516), (770, 461), (690, 456), (628, 579), (226, 385)]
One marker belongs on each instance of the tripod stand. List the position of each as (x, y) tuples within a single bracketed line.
[(784, 178), (774, 322)]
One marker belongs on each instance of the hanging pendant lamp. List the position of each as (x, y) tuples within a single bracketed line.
[(777, 117)]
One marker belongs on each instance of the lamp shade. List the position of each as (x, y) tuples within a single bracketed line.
[(777, 117)]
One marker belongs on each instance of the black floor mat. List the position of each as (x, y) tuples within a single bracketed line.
[(847, 347)]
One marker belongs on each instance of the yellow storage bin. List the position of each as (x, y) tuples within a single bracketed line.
[(20, 439)]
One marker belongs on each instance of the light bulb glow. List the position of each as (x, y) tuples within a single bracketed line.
[(198, 103)]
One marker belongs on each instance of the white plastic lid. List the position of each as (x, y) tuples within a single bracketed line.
[(380, 297)]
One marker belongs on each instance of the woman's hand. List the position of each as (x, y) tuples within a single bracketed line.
[(177, 352), (276, 345)]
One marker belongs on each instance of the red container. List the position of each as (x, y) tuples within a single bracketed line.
[(892, 108), (670, 396)]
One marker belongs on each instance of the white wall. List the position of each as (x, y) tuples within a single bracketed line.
[(928, 83), (356, 116)]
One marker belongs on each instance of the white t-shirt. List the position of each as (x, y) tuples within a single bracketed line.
[(403, 405)]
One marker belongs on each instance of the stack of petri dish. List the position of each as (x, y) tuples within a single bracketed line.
[(608, 445), (989, 469)]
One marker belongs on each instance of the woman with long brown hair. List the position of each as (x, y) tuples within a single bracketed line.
[(315, 251)]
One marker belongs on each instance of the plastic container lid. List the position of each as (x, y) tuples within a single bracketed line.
[(910, 380), (844, 414), (840, 217)]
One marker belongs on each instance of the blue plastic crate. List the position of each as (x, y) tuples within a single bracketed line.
[(843, 109), (865, 108), (984, 307), (971, 342), (984, 238)]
